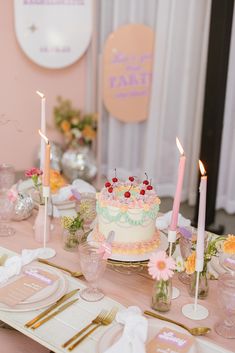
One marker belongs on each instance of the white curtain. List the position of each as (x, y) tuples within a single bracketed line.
[(181, 30), (226, 184)]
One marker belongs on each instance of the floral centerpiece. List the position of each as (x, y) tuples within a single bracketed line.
[(77, 128), (73, 231), (215, 246), (161, 268)]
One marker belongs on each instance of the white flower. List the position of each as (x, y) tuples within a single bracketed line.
[(179, 264), (76, 132)]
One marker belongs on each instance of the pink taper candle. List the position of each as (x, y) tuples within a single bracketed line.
[(177, 198), (46, 170), (201, 219)]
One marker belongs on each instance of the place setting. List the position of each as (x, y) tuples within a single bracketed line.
[(117, 194)]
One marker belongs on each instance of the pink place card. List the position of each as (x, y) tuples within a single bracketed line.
[(168, 340), (29, 283)]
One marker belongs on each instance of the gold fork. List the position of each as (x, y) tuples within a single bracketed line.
[(106, 321), (96, 320)]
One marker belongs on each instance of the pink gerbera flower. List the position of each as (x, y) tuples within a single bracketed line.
[(161, 266)]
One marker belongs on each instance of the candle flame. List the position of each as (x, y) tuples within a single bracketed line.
[(180, 148), (43, 136), (40, 94), (202, 169)]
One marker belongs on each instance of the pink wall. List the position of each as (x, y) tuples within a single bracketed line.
[(19, 79)]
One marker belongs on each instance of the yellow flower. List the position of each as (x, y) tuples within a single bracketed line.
[(88, 132), (229, 244), (190, 263), (65, 126)]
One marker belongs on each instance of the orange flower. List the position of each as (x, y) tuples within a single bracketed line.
[(88, 132), (56, 180), (229, 244), (65, 125), (190, 263)]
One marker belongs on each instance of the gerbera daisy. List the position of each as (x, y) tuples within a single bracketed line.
[(161, 266)]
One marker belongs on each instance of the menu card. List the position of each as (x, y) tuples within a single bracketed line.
[(29, 283), (170, 341)]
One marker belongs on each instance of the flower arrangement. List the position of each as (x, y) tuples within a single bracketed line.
[(161, 267), (78, 129), (215, 246), (72, 225), (35, 174)]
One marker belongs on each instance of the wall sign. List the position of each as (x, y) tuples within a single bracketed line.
[(53, 33), (127, 72)]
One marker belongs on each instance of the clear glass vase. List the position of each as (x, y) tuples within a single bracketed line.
[(161, 298), (203, 288), (71, 240)]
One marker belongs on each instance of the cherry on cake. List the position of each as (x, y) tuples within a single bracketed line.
[(129, 208)]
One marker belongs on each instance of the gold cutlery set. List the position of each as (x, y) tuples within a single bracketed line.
[(103, 319)]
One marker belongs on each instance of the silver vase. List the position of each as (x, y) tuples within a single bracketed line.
[(23, 207), (79, 163)]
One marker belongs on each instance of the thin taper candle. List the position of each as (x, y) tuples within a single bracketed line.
[(46, 169), (201, 220), (177, 198), (42, 128)]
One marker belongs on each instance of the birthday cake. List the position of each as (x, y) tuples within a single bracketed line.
[(129, 209)]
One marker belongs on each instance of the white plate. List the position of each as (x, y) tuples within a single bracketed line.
[(43, 298), (154, 326)]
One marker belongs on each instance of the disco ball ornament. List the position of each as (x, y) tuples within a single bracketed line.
[(23, 208), (79, 163)]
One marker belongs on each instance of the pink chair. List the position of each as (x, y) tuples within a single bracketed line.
[(15, 342)]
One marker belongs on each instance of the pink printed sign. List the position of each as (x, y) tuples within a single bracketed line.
[(127, 72), (168, 340)]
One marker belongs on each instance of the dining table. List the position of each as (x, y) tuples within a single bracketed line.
[(121, 290)]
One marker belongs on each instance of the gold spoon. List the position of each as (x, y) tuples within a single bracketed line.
[(72, 273), (195, 331)]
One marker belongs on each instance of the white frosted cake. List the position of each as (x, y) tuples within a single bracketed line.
[(129, 208)]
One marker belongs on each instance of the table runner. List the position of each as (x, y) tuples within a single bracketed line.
[(126, 289)]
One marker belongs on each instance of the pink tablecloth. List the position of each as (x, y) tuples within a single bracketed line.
[(127, 289)]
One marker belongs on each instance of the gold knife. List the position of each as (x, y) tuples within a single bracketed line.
[(52, 307), (62, 308)]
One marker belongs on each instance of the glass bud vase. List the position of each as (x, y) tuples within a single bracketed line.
[(39, 225), (203, 287), (161, 298), (71, 239)]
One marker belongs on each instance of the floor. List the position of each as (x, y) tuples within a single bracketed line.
[(222, 218)]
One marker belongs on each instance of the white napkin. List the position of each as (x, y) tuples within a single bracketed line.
[(164, 221), (134, 333), (63, 201), (13, 265)]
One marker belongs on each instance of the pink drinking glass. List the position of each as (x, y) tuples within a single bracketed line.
[(226, 296), (93, 264)]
